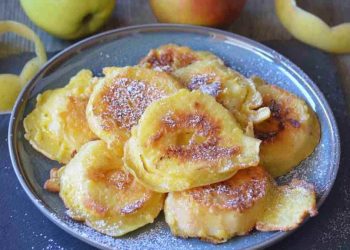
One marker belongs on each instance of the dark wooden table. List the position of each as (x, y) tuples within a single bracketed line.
[(22, 226)]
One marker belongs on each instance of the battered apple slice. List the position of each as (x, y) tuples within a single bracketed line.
[(288, 207), (187, 140), (219, 211), (290, 134), (57, 127), (97, 190), (171, 57), (119, 99), (250, 199), (235, 92)]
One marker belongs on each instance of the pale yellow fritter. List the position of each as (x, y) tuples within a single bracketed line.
[(290, 134), (288, 207), (235, 92), (97, 190), (57, 127), (171, 57), (249, 199), (120, 98), (187, 140)]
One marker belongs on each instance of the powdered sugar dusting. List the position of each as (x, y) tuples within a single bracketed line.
[(233, 194), (133, 207), (212, 89), (148, 237), (126, 100), (204, 151), (205, 83), (204, 129), (309, 171)]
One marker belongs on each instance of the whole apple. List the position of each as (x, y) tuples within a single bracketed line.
[(68, 19), (197, 12)]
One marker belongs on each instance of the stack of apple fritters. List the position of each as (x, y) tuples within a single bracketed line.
[(179, 129)]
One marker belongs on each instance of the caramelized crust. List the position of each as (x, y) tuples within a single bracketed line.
[(202, 144), (282, 118), (231, 89), (115, 179), (135, 205), (120, 98), (170, 57), (239, 193)]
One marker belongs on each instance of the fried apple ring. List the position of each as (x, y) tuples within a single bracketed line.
[(97, 190), (290, 134), (57, 127), (120, 98), (219, 211), (235, 92), (187, 140), (171, 57)]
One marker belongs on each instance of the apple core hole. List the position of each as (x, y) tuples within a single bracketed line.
[(188, 138)]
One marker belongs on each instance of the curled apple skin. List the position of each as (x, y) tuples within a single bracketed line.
[(11, 84), (312, 30), (212, 13)]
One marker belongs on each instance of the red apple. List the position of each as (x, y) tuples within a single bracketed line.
[(197, 12)]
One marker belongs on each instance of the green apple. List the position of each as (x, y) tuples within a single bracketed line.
[(69, 19)]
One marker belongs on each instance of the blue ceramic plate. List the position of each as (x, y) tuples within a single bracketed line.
[(125, 47)]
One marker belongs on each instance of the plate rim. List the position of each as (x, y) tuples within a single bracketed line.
[(95, 39)]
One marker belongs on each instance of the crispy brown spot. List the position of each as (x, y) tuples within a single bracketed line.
[(276, 110), (206, 84), (133, 207), (268, 130), (265, 136), (168, 59), (75, 118), (203, 137), (120, 179), (238, 193), (125, 101), (203, 151), (113, 178), (74, 152), (94, 206)]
